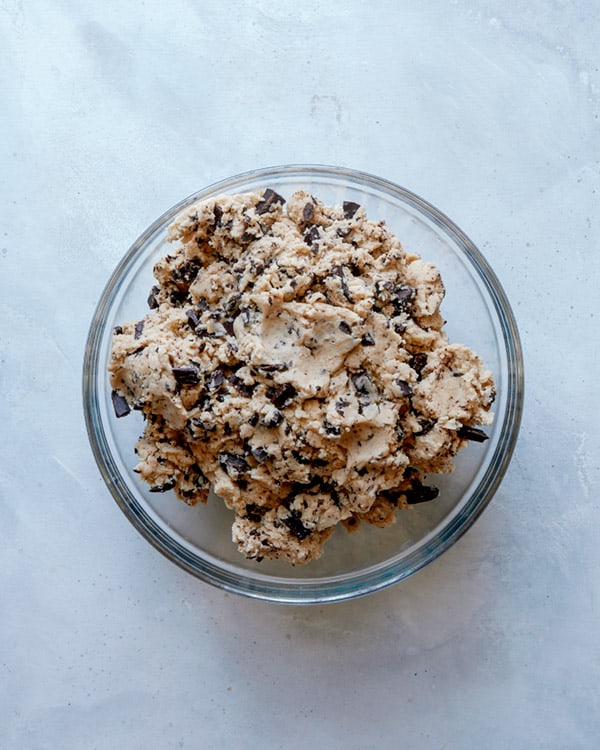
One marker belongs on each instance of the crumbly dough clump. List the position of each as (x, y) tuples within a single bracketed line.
[(294, 360)]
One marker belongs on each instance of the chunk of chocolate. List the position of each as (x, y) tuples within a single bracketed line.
[(281, 395), (418, 362), (402, 298), (295, 525), (367, 340), (339, 272), (426, 426), (331, 430), (311, 236), (232, 463), (274, 419), (350, 208), (308, 211), (405, 388), (152, 298), (165, 487), (420, 493), (269, 199), (186, 375), (139, 327), (345, 327), (192, 319), (120, 405), (472, 433), (260, 454), (216, 379)]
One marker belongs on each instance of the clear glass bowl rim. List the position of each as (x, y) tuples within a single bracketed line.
[(335, 588)]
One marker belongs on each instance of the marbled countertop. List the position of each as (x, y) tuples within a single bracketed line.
[(112, 112)]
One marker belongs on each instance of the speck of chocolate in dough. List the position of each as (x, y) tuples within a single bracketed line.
[(120, 405), (308, 211), (270, 197), (367, 340), (139, 327), (117, 330), (472, 433), (186, 375), (350, 208), (345, 327)]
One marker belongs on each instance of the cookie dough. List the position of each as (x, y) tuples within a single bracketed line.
[(294, 360)]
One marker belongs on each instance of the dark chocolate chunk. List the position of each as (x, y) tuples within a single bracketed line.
[(472, 433), (342, 231), (299, 458), (308, 211), (402, 298), (426, 426), (405, 388), (273, 367), (253, 421), (253, 512), (418, 362), (186, 375), (139, 327), (340, 405), (345, 327), (270, 197), (350, 208), (232, 304), (120, 405), (274, 420), (311, 235), (168, 485), (193, 319), (232, 463), (117, 330), (260, 454), (217, 215), (216, 379), (367, 340), (197, 426), (152, 301), (331, 429), (362, 382), (281, 395), (238, 383), (339, 272), (295, 525), (420, 493)]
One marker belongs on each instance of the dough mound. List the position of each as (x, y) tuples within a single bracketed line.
[(294, 360)]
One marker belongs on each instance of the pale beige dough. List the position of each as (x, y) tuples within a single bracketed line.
[(294, 360)]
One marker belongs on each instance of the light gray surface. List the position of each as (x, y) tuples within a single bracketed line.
[(112, 112)]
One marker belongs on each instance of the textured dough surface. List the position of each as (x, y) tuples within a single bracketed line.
[(294, 360)]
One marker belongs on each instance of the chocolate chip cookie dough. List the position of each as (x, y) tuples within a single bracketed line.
[(294, 360)]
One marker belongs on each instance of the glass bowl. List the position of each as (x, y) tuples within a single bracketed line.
[(198, 539)]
